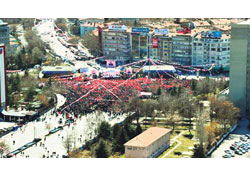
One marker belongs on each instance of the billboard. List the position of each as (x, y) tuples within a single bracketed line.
[(155, 43), (117, 27), (140, 30), (161, 31), (210, 34), (2, 78)]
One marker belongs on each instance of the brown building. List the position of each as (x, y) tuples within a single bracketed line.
[(150, 143)]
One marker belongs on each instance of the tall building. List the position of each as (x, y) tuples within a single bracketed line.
[(3, 89), (182, 49), (4, 33), (163, 49), (239, 84), (116, 42), (211, 48)]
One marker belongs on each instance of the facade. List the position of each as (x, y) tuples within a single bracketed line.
[(85, 28), (182, 49), (239, 84), (150, 143), (211, 50), (4, 33), (3, 89), (163, 51), (116, 43), (140, 42)]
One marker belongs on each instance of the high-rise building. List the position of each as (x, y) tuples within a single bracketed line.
[(210, 49), (163, 49), (4, 33), (116, 43), (3, 89), (182, 49), (239, 84)]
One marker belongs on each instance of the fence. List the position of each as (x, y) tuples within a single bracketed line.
[(221, 140)]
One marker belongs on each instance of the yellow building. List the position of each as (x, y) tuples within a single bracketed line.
[(150, 143)]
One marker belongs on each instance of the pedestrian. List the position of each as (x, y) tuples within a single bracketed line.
[(13, 142)]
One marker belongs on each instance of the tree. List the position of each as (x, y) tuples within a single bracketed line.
[(3, 148), (74, 40), (138, 129), (104, 131), (91, 42), (102, 150), (121, 139), (130, 131), (30, 94), (63, 27), (68, 143), (27, 23), (37, 55), (116, 129)]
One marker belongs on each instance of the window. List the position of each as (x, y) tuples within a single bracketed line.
[(129, 148)]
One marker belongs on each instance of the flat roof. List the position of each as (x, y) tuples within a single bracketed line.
[(245, 22), (147, 137)]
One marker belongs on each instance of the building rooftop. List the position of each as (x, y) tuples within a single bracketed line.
[(245, 22), (147, 137)]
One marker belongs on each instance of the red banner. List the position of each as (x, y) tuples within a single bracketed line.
[(155, 43)]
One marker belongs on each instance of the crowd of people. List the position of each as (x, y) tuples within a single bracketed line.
[(87, 95)]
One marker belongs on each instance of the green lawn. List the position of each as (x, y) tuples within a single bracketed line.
[(185, 143)]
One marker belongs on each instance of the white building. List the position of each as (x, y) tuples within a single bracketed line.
[(3, 93), (150, 143), (211, 50)]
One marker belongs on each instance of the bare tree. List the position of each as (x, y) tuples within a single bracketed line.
[(68, 143)]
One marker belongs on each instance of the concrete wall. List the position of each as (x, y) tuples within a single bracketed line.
[(238, 61)]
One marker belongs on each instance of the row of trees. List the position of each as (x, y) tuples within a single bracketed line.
[(110, 139)]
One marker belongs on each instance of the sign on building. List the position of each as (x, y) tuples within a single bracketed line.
[(117, 27), (2, 78), (161, 31), (155, 43), (140, 30), (210, 34)]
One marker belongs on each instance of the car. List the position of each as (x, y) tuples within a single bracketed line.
[(238, 152), (227, 156), (233, 147), (248, 136), (228, 151)]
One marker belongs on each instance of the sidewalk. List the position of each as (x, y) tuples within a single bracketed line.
[(174, 140)]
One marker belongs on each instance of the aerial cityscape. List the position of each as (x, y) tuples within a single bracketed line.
[(124, 88)]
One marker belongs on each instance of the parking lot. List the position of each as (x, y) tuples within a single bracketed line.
[(232, 139)]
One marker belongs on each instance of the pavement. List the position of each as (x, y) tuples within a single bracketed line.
[(47, 33), (242, 129), (84, 129)]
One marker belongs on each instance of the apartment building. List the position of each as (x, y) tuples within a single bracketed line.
[(182, 49), (116, 42), (211, 48), (4, 33), (150, 143), (163, 50)]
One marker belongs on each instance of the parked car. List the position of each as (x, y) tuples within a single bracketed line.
[(238, 152), (227, 156)]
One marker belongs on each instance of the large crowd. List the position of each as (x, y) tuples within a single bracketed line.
[(87, 95)]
